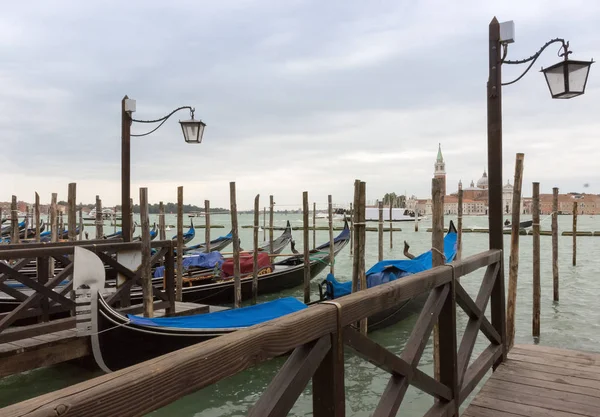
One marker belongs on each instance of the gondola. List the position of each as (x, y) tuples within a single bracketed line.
[(280, 243), (7, 228), (390, 270), (153, 234), (287, 273), (189, 235), (216, 245), (119, 234), (522, 225), (31, 232)]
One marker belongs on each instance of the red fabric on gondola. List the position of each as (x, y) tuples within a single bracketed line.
[(247, 264)]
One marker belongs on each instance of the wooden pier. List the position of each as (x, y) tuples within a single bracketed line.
[(541, 381)]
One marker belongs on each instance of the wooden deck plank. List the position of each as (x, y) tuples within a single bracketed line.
[(539, 381)]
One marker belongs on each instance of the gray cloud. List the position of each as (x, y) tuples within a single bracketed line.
[(297, 95)]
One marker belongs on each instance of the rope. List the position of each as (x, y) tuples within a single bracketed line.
[(438, 251), (338, 307)]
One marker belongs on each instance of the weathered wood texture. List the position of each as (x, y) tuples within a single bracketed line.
[(146, 266), (237, 283), (179, 265), (459, 222), (360, 247), (99, 218), (380, 233), (541, 381), (331, 243), (535, 209), (255, 253), (72, 198), (574, 233), (351, 230), (437, 254), (314, 222), (162, 234), (14, 221), (555, 292), (316, 335), (513, 269), (391, 227), (306, 250), (38, 222), (271, 204), (207, 225)]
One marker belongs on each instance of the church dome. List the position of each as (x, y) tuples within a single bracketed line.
[(483, 181)]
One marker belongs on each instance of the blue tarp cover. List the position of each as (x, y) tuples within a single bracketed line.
[(201, 260), (227, 319), (390, 270)]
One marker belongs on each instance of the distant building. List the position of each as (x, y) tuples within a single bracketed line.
[(440, 169)]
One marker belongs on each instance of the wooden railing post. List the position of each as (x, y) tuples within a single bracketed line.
[(170, 276), (329, 398), (43, 272)]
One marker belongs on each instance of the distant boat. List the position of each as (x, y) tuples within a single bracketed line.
[(522, 225), (398, 215)]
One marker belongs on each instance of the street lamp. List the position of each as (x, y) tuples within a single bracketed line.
[(192, 133), (567, 79)]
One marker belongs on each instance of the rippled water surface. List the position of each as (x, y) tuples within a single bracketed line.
[(574, 322)]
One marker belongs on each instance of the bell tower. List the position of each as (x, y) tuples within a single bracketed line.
[(440, 169)]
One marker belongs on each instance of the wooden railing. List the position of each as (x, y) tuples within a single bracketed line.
[(316, 338), (40, 297)]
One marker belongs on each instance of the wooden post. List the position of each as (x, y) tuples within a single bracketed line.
[(72, 197), (131, 219), (264, 224), (416, 220), (306, 247), (391, 226), (460, 223), (255, 254), (360, 253), (162, 233), (61, 225), (14, 220), (179, 267), (271, 203), (380, 233), (331, 242), (53, 219), (354, 237), (146, 255), (237, 283), (26, 223), (494, 157), (351, 230), (37, 217), (513, 271), (555, 243), (315, 225), (80, 235), (437, 254), (574, 233), (99, 218), (536, 259), (115, 219), (207, 225)]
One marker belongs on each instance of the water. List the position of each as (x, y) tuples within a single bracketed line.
[(573, 323)]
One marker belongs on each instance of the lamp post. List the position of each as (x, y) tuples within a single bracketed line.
[(192, 133), (566, 79)]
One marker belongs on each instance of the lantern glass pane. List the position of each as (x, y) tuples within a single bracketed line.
[(556, 80), (577, 77)]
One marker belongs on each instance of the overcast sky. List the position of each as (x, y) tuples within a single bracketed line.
[(296, 95)]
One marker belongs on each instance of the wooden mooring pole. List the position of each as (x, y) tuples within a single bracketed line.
[(306, 247), (574, 233), (255, 254), (14, 220), (513, 272), (162, 233), (271, 204), (179, 261), (555, 243), (146, 267), (351, 229), (37, 217), (237, 283), (131, 222), (207, 225), (80, 235), (360, 253), (380, 233), (264, 224), (314, 234), (72, 197), (53, 219), (391, 227), (437, 254), (536, 259), (416, 220), (331, 242), (99, 218), (460, 223)]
